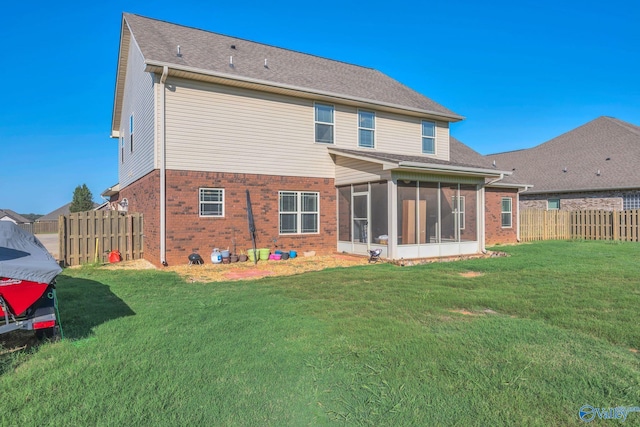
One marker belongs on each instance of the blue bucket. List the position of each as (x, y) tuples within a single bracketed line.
[(293, 254)]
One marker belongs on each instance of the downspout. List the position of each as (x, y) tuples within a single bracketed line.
[(520, 190), (483, 249), (163, 170)]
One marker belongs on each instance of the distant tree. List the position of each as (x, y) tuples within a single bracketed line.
[(82, 199), (31, 216)]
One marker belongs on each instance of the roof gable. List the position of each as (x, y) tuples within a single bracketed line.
[(600, 155)]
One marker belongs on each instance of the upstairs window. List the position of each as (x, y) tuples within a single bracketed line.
[(121, 148), (324, 123), (506, 212), (553, 204), (428, 137), (212, 202), (299, 212), (131, 133), (366, 129)]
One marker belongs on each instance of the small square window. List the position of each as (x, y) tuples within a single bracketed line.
[(553, 204)]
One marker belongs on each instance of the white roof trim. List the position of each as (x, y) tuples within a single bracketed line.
[(151, 67)]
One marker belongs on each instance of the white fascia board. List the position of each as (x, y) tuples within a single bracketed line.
[(451, 168), (157, 66)]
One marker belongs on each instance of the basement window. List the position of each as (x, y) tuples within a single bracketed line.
[(553, 204)]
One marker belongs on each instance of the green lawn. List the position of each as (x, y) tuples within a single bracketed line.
[(528, 340)]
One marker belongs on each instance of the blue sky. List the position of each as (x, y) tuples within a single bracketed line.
[(521, 72)]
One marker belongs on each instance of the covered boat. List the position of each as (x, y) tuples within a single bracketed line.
[(27, 282)]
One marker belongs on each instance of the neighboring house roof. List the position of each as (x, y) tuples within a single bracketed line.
[(207, 53), (62, 210), (53, 215), (603, 154), (463, 159), (16, 217)]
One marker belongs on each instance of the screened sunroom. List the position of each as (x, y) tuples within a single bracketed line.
[(420, 210)]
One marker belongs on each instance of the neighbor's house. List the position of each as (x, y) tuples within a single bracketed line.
[(336, 157), (595, 166), (16, 218)]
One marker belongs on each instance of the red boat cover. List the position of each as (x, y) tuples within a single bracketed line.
[(24, 257)]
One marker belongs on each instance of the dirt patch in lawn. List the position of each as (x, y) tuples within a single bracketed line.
[(466, 312), (209, 272), (471, 274)]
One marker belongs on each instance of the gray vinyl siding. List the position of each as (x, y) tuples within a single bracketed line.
[(211, 127), (138, 99), (353, 171)]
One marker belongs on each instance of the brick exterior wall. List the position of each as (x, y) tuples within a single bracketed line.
[(602, 200), (187, 232), (494, 232)]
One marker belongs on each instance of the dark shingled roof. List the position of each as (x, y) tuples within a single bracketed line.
[(606, 144), (210, 52), (14, 215)]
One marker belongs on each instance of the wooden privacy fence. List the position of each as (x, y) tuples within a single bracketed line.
[(588, 225), (44, 227), (87, 237)]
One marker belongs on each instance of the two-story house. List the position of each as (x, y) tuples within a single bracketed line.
[(336, 157)]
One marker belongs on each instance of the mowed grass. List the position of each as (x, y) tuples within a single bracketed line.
[(521, 340)]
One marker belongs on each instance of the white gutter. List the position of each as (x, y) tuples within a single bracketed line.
[(194, 70), (163, 171), (452, 168), (495, 180)]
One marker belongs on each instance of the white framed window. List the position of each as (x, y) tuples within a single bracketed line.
[(428, 137), (324, 123), (299, 212), (553, 204), (506, 212), (211, 202), (366, 129), (131, 133), (121, 148), (459, 209)]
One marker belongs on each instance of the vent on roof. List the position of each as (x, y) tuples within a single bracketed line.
[(608, 158), (494, 163), (265, 63), (233, 46), (231, 61), (598, 172), (564, 170), (179, 54)]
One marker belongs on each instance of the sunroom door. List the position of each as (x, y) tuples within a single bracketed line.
[(360, 203)]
